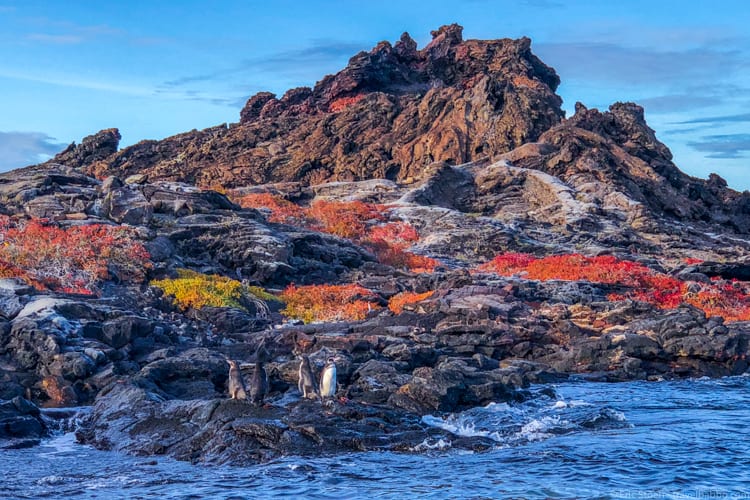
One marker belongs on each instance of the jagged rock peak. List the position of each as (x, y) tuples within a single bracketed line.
[(400, 69), (93, 148), (625, 124), (390, 113)]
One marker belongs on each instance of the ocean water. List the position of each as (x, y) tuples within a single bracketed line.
[(678, 440)]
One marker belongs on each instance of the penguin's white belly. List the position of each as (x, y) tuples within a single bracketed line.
[(328, 382)]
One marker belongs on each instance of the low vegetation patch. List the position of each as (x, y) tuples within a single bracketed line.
[(728, 299), (397, 303), (193, 290), (72, 260), (366, 224), (314, 303)]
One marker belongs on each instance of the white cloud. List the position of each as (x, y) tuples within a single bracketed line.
[(55, 39), (19, 149)]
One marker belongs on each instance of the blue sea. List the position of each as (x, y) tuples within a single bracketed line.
[(684, 439)]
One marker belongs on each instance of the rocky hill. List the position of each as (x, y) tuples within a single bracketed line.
[(395, 110), (390, 113), (428, 217)]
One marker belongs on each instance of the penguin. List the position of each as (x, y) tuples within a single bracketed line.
[(328, 379), (259, 382), (236, 383), (306, 381)]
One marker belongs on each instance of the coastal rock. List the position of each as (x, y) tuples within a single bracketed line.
[(465, 141), (127, 206), (615, 158), (132, 420), (21, 424)]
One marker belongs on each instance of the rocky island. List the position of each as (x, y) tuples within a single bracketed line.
[(428, 217)]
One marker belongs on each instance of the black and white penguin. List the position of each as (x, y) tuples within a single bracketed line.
[(259, 381), (328, 379), (306, 383), (237, 389)]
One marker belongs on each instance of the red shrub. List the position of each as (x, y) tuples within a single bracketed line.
[(728, 300), (282, 211), (363, 223), (342, 103), (508, 264), (398, 234), (75, 259), (346, 219)]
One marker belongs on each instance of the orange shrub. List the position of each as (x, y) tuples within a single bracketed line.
[(327, 302), (389, 243), (346, 219), (73, 260), (399, 258), (728, 300), (508, 264), (282, 211), (398, 234), (363, 223), (398, 301)]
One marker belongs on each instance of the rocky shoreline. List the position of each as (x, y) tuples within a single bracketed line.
[(153, 371), (157, 391)]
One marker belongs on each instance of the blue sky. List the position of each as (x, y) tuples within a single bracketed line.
[(153, 69)]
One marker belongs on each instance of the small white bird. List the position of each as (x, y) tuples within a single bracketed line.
[(328, 379)]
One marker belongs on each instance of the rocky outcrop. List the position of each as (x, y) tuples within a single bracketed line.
[(21, 424), (465, 141), (92, 149), (132, 420), (615, 162), (468, 346), (391, 112)]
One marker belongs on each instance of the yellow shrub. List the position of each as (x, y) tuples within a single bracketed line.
[(195, 290)]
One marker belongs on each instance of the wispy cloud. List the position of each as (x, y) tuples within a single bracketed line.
[(684, 131), (18, 149), (725, 146), (45, 30), (679, 102), (320, 50), (55, 39), (308, 61), (75, 81), (611, 62), (740, 118)]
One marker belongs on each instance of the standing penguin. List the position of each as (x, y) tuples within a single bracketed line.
[(259, 382), (328, 379), (236, 383), (306, 381)]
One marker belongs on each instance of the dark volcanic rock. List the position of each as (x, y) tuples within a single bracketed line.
[(464, 140), (391, 112), (133, 420), (21, 424), (92, 149), (615, 160)]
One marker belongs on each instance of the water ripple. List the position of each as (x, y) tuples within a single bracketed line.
[(682, 439)]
